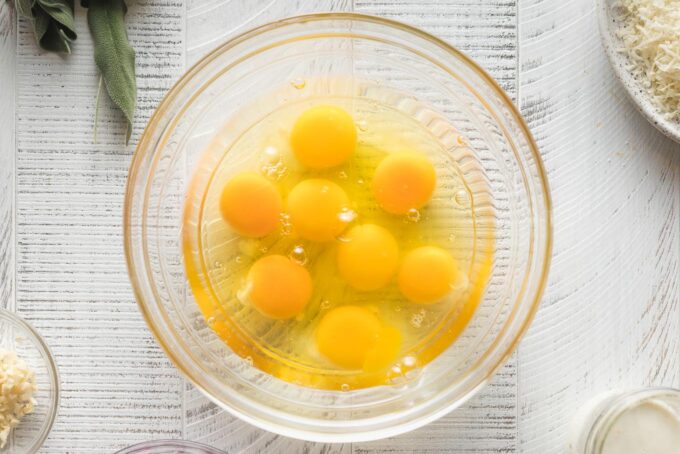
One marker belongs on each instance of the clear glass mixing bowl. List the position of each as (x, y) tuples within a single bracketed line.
[(417, 74)]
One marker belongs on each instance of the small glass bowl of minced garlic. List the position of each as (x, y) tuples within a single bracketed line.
[(29, 386)]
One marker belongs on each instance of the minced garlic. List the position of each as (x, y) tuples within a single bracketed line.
[(650, 32), (17, 386)]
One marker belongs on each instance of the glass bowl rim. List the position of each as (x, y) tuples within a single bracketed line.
[(169, 443), (39, 343), (143, 149)]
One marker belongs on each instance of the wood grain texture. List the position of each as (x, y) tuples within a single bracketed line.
[(117, 386), (210, 23), (486, 31), (7, 153), (610, 318)]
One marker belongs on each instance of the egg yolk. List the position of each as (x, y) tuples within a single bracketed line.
[(251, 205), (427, 274), (368, 257), (278, 287), (323, 137), (316, 208), (354, 338), (403, 181), (385, 351)]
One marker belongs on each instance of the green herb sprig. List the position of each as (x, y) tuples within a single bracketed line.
[(54, 29)]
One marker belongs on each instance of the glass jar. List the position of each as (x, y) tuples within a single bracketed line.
[(643, 420)]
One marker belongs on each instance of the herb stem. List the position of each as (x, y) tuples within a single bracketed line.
[(96, 109)]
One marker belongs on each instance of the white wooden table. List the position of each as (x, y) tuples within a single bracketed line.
[(610, 316)]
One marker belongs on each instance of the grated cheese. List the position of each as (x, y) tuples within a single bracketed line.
[(17, 386), (650, 32)]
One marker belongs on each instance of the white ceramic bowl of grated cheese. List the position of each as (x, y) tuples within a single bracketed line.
[(25, 350), (646, 75)]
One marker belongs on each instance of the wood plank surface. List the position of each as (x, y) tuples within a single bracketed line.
[(72, 283), (610, 317), (485, 30), (208, 25), (7, 153)]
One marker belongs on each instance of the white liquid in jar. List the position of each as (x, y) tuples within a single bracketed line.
[(650, 427)]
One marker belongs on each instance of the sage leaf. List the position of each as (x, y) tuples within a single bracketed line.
[(24, 7), (61, 11), (48, 34), (53, 22), (113, 54)]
